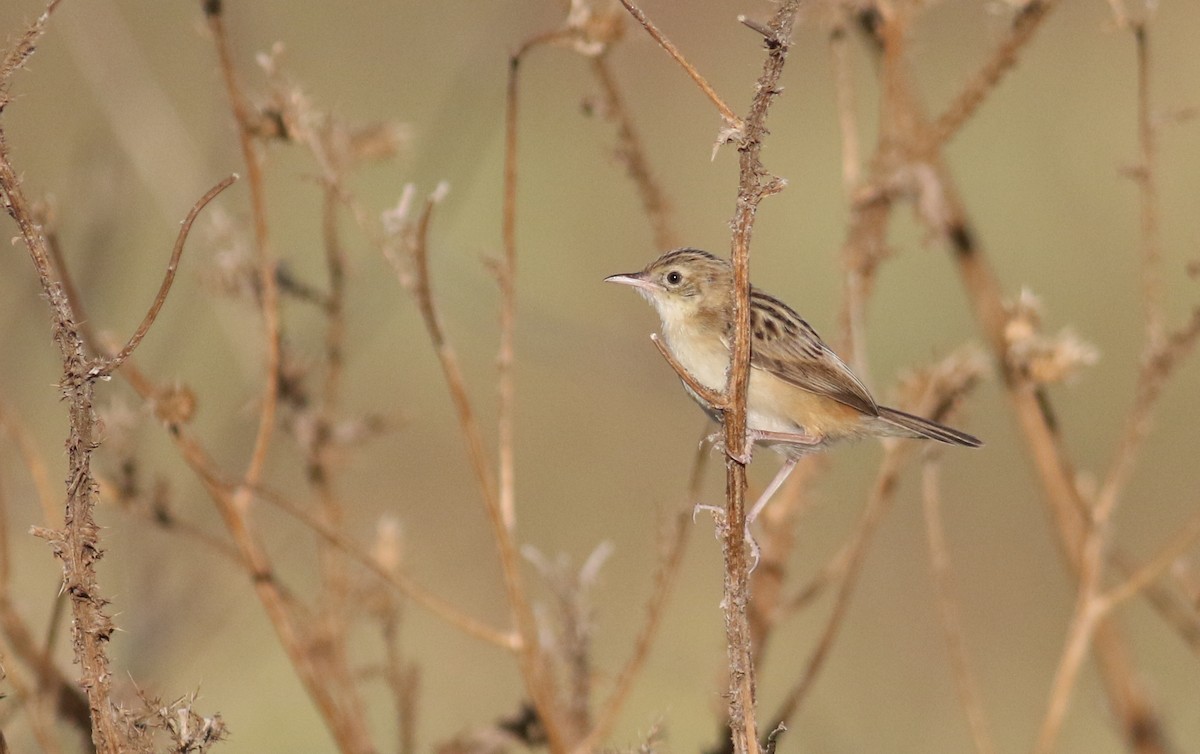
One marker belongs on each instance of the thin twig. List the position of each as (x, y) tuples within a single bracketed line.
[(397, 579), (534, 671), (882, 495), (664, 582), (345, 723), (247, 127), (1161, 352), (114, 363), (1084, 621), (1183, 540), (714, 398), (32, 458), (948, 610), (506, 275), (1002, 60), (336, 596), (1147, 175), (732, 121), (843, 81), (22, 50), (629, 148)]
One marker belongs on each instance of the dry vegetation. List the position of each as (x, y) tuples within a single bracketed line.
[(561, 706)]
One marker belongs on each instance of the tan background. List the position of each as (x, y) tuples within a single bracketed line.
[(122, 118)]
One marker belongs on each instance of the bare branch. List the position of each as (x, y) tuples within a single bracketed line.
[(1002, 60), (22, 50), (754, 185), (537, 679), (114, 363), (732, 121), (631, 152)]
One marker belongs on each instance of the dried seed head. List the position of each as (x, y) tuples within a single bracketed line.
[(1044, 359)]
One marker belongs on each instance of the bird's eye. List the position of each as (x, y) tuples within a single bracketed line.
[(674, 277)]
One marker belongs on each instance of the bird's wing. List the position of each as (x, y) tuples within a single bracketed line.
[(787, 347)]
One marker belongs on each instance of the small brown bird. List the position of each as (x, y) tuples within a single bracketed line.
[(801, 396)]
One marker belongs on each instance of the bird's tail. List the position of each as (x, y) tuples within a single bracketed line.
[(914, 426)]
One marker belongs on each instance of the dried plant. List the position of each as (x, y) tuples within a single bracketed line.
[(344, 632)]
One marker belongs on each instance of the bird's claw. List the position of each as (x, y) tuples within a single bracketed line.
[(715, 510), (719, 514), (717, 440)]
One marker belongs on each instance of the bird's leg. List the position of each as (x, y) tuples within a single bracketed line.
[(786, 438), (780, 477)]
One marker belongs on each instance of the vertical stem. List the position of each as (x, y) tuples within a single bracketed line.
[(1152, 283), (246, 121), (754, 185), (77, 545)]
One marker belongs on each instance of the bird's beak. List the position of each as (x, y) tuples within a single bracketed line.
[(636, 279)]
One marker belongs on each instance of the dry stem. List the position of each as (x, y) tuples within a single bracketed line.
[(629, 147), (534, 671), (1002, 60), (77, 545), (114, 363), (948, 610), (754, 184), (248, 128), (732, 121)]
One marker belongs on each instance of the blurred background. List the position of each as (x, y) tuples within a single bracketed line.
[(123, 120)]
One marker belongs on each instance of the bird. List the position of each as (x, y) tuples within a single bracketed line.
[(801, 396)]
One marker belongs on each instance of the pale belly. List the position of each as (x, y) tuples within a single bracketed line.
[(708, 365), (773, 405)]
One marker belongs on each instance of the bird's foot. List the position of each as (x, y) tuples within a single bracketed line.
[(717, 511), (718, 514), (755, 552), (717, 440)]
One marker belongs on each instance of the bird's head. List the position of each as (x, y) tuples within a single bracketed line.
[(684, 285)]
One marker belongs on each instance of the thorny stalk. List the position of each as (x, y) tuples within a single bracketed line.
[(250, 552), (77, 544), (52, 689), (754, 184)]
